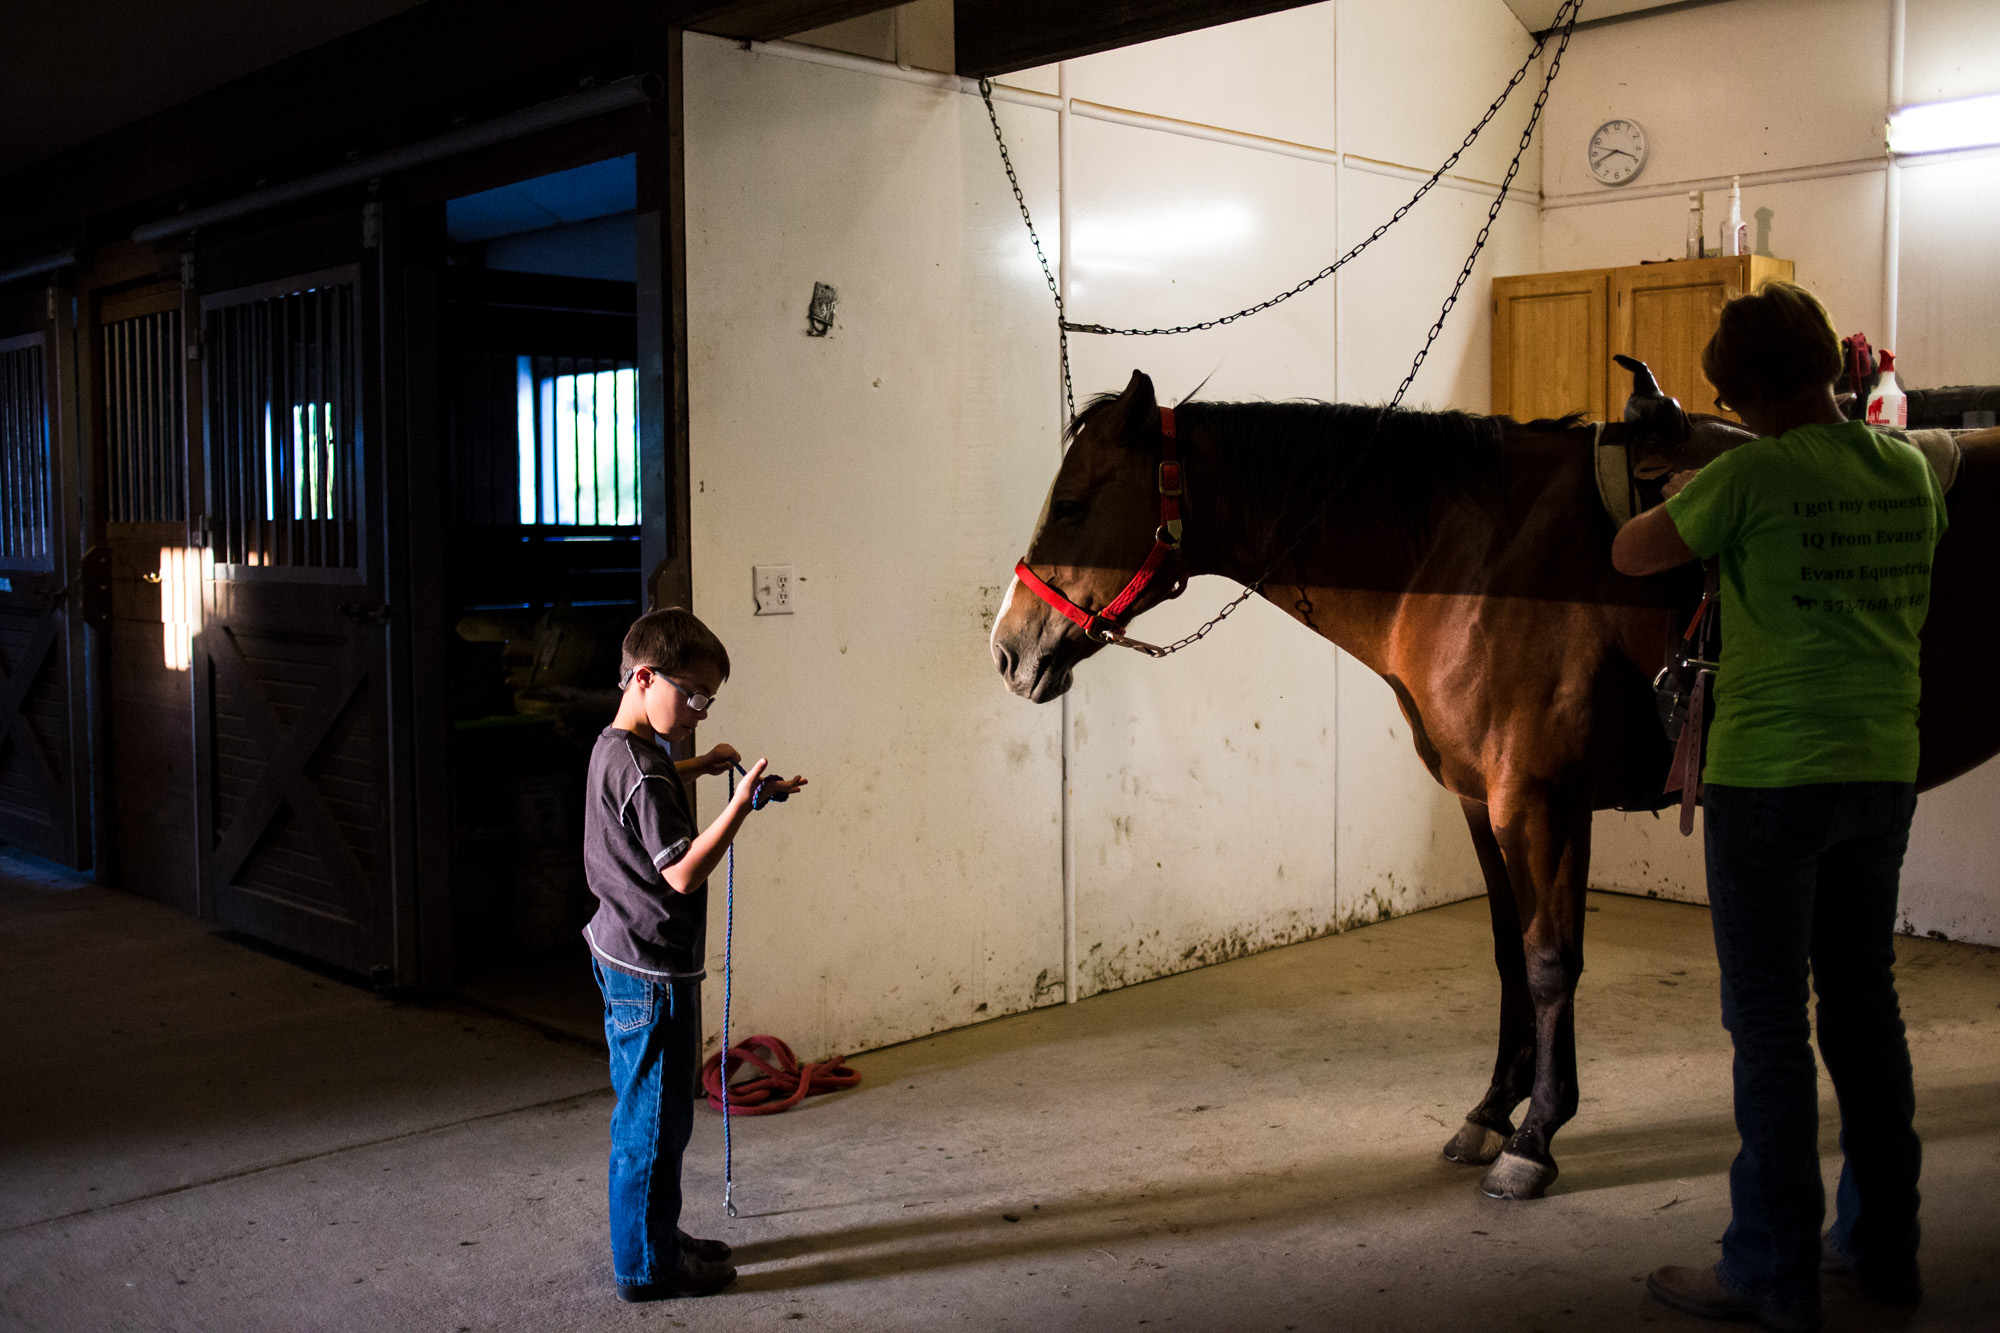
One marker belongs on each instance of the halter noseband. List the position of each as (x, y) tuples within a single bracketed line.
[(1105, 626)]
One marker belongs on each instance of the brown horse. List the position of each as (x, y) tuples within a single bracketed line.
[(1465, 560)]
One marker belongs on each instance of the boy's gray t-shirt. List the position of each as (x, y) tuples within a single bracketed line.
[(637, 821)]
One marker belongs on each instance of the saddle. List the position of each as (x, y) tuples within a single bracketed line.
[(1659, 439)]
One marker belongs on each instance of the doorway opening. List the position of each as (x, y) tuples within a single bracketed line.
[(542, 572)]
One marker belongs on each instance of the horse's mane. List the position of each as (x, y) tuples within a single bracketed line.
[(1413, 460)]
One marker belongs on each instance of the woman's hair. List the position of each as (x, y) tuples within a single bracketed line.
[(670, 642), (1772, 343)]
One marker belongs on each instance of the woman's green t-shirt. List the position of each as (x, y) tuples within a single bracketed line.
[(1825, 536)]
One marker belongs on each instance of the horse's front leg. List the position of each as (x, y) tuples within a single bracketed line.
[(1544, 837), (1490, 1124)]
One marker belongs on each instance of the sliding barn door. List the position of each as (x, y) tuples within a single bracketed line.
[(291, 677), (44, 804)]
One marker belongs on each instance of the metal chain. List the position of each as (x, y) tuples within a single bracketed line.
[(1506, 183), (1569, 7), (1021, 200), (1566, 15)]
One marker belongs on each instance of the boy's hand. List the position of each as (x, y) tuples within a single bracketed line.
[(740, 798), (719, 760), (777, 789)]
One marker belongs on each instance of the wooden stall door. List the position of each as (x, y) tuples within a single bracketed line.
[(291, 668), (44, 806), (155, 593), (1548, 345)]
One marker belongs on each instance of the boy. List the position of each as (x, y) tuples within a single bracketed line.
[(648, 864)]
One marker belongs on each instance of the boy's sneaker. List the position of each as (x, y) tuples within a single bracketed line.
[(697, 1277), (712, 1250)]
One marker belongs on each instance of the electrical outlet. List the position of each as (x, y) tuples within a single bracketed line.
[(771, 589)]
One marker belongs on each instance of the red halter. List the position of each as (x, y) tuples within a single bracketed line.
[(1104, 626)]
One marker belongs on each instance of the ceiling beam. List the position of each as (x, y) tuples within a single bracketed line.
[(769, 20), (411, 76), (1001, 36)]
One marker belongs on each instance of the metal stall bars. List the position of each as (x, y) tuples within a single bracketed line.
[(35, 798), (143, 411), (290, 669)]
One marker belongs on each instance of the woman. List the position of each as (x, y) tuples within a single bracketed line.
[(1824, 531)]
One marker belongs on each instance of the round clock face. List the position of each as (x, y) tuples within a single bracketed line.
[(1617, 151)]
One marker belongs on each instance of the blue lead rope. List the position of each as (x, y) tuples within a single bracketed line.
[(728, 953), (758, 800)]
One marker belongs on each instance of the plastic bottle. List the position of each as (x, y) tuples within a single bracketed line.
[(1732, 236), (1887, 403), (1694, 225)]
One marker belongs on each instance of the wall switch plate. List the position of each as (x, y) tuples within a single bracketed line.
[(771, 588)]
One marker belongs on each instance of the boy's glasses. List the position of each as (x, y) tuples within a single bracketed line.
[(701, 703)]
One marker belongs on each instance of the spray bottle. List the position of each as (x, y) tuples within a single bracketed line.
[(1887, 403)]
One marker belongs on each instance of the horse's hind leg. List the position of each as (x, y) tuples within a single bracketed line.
[(1546, 844), (1490, 1124)]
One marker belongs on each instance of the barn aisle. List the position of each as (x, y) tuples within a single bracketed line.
[(197, 1135)]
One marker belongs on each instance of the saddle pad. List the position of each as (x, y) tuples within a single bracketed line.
[(1619, 495), (1940, 449)]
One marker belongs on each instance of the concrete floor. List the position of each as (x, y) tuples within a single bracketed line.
[(194, 1135)]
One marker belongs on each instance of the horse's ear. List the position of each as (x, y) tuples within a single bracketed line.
[(1134, 418)]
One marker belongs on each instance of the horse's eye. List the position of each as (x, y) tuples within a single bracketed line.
[(1067, 509)]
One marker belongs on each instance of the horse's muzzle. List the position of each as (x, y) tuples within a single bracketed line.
[(1037, 679)]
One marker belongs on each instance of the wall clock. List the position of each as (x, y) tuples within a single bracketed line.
[(1617, 151)]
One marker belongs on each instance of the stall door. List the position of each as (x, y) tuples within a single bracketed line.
[(155, 595), (41, 805), (290, 666)]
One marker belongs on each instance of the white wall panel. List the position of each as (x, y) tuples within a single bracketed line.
[(1950, 287), (1951, 877), (1202, 806), (1752, 86), (916, 884), (1645, 854), (1417, 75), (1392, 293), (1951, 49), (1271, 75)]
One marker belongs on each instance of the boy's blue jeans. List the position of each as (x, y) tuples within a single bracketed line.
[(1806, 877), (650, 1028)]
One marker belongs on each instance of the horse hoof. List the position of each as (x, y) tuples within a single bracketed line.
[(1513, 1176), (1474, 1145)]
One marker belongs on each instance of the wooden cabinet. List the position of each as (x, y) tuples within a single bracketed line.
[(1554, 334)]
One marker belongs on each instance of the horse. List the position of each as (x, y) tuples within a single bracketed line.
[(1466, 560)]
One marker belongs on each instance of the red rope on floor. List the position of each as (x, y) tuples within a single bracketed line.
[(782, 1082)]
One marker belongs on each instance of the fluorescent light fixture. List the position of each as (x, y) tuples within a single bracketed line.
[(1939, 127)]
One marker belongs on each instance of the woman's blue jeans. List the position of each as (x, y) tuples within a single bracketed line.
[(1805, 879), (650, 1028)]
